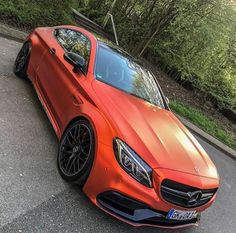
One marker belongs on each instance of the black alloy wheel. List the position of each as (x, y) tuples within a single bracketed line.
[(76, 152), (22, 60)]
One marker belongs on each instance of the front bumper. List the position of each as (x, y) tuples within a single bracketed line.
[(137, 213), (107, 175)]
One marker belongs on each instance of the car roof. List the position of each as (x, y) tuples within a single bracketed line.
[(105, 42)]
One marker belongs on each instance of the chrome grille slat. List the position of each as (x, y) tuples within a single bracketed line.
[(185, 196), (205, 198), (207, 195), (175, 192)]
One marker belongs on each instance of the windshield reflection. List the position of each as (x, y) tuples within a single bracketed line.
[(118, 69)]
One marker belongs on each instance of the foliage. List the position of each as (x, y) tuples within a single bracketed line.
[(33, 13), (194, 39), (209, 125)]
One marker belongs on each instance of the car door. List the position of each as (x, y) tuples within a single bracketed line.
[(55, 78)]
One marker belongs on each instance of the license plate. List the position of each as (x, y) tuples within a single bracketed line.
[(181, 215)]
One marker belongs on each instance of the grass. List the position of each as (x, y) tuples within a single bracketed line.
[(209, 125)]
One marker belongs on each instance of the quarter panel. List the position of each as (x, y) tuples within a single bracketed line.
[(37, 51)]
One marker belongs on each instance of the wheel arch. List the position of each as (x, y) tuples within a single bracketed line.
[(103, 130), (77, 118)]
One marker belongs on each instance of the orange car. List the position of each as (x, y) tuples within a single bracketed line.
[(118, 138)]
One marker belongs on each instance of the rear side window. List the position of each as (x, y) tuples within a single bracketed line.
[(74, 41)]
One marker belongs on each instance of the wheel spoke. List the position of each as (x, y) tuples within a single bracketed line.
[(69, 141), (72, 164), (83, 152), (82, 132), (76, 164), (82, 159), (69, 148), (66, 154), (72, 136), (76, 133), (85, 140), (68, 165), (86, 146)]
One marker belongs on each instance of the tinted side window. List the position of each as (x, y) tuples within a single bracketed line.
[(74, 41)]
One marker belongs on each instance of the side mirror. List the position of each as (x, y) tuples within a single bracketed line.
[(167, 100), (77, 61)]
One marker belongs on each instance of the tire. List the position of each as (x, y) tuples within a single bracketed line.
[(76, 152), (22, 60)]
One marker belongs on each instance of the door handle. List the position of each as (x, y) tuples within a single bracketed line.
[(76, 99), (52, 51)]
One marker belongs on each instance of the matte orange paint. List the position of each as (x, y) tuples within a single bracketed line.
[(154, 133)]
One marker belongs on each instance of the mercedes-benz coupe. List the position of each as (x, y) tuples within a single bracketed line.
[(118, 139)]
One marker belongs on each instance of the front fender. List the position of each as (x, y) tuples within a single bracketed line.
[(103, 130)]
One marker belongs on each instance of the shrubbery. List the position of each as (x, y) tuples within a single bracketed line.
[(33, 13), (194, 40)]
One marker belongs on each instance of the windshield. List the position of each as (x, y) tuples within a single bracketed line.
[(119, 70)]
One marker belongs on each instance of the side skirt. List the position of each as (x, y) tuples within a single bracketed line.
[(47, 109)]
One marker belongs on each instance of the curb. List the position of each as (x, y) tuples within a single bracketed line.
[(17, 35), (208, 138), (11, 33)]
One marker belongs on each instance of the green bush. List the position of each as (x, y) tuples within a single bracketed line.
[(194, 38), (34, 13)]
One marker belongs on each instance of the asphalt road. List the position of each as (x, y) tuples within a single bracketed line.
[(34, 198)]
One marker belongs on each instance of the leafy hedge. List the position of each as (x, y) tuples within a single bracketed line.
[(33, 13), (193, 40)]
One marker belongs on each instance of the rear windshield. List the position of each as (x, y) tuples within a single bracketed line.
[(119, 70)]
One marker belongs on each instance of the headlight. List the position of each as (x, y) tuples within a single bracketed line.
[(132, 163)]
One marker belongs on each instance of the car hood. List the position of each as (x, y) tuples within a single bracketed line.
[(154, 133)]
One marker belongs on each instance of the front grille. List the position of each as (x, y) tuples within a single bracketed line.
[(184, 195)]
